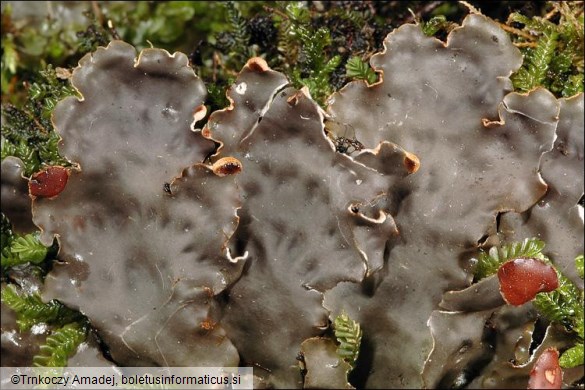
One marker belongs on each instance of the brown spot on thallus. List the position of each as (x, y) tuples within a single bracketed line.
[(206, 133), (257, 64), (207, 324), (79, 222), (208, 291), (294, 99), (199, 113), (227, 166), (411, 162), (48, 182)]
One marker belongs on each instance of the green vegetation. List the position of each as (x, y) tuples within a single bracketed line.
[(60, 345), (22, 250), (70, 330), (563, 305), (17, 249), (358, 69), (304, 47), (553, 49), (579, 265), (70, 327), (349, 337), (27, 131), (28, 48), (437, 24), (31, 310)]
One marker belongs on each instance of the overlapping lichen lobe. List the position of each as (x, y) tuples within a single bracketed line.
[(302, 93), (205, 132), (229, 126), (199, 113)]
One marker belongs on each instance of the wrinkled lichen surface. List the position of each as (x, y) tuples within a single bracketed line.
[(179, 260)]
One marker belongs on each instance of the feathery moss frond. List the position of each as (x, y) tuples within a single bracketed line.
[(17, 249), (304, 48), (552, 47), (31, 310), (239, 36), (25, 249), (536, 63), (358, 69), (349, 336), (60, 345), (559, 305)]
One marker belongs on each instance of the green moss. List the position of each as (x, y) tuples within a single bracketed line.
[(360, 70), (349, 337), (564, 305), (28, 132), (24, 249), (553, 49), (60, 345), (31, 310), (437, 24)]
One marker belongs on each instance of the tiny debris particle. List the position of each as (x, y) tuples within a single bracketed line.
[(241, 88), (207, 324), (550, 376)]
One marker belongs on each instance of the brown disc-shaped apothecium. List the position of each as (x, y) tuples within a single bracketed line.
[(522, 278), (546, 373), (49, 182)]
